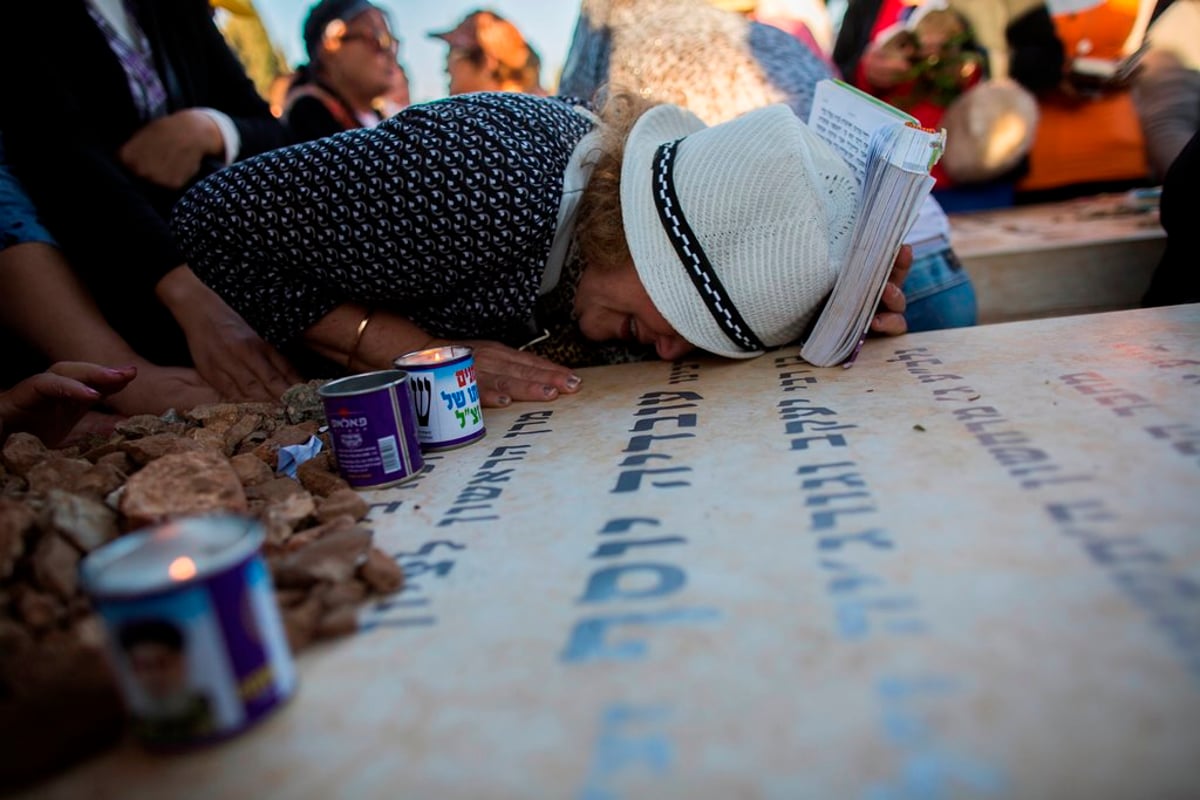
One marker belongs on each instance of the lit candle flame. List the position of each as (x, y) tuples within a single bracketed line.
[(182, 569)]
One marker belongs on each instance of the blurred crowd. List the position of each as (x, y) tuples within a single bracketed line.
[(102, 133)]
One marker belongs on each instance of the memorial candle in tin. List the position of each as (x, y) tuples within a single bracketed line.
[(445, 395), (373, 429), (194, 631)]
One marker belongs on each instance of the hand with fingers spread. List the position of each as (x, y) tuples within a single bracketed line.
[(227, 352), (505, 374), (889, 319), (49, 405)]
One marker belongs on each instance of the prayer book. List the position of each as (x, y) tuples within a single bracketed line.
[(891, 156), (1102, 74)]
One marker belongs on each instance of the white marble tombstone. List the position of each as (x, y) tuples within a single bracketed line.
[(969, 566)]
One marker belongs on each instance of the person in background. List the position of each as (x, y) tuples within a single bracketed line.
[(1089, 139), (1176, 279), (807, 20), (719, 65), (1017, 36), (1166, 89), (351, 65), (105, 130), (947, 62), (488, 54), (397, 97), (533, 73)]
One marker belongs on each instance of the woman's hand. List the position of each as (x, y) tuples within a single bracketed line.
[(51, 404), (227, 352), (369, 340), (504, 374), (889, 318), (157, 389), (169, 150)]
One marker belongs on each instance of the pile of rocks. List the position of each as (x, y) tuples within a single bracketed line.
[(56, 506)]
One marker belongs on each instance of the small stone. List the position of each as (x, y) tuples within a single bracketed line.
[(13, 486), (215, 416), (173, 417), (79, 607), (381, 572), (275, 489), (319, 475), (307, 536), (22, 452), (39, 610), (253, 441), (343, 502), (105, 449), (302, 402), (118, 460), (342, 594), (84, 522), (182, 484), (338, 621), (293, 509), (212, 438), (251, 470), (300, 622), (56, 472), (16, 521), (141, 425), (277, 530), (151, 448), (332, 558), (56, 566), (89, 632), (290, 435), (104, 477), (240, 430), (290, 597)]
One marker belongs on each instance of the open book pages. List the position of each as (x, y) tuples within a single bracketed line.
[(1107, 70), (891, 156)]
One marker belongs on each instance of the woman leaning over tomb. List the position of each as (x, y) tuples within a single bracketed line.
[(533, 230)]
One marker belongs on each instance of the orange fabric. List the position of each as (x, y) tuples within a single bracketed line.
[(1090, 139), (1099, 140), (1105, 27)]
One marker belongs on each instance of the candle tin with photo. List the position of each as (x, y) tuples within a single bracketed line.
[(373, 428), (194, 632), (445, 395)]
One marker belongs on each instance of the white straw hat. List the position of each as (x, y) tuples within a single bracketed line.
[(737, 231)]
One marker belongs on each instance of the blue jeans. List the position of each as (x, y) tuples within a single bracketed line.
[(18, 218), (939, 293)]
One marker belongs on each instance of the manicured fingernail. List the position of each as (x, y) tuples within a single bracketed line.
[(549, 391), (503, 400), (91, 393), (574, 381)]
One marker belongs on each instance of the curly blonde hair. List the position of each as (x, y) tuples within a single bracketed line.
[(599, 227)]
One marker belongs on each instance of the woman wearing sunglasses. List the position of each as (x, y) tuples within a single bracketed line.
[(351, 59)]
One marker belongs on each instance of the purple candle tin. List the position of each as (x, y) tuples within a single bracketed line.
[(194, 632), (446, 396), (373, 428)]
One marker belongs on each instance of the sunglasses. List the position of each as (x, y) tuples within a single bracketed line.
[(380, 41)]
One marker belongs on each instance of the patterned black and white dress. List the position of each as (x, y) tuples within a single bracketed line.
[(444, 214)]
